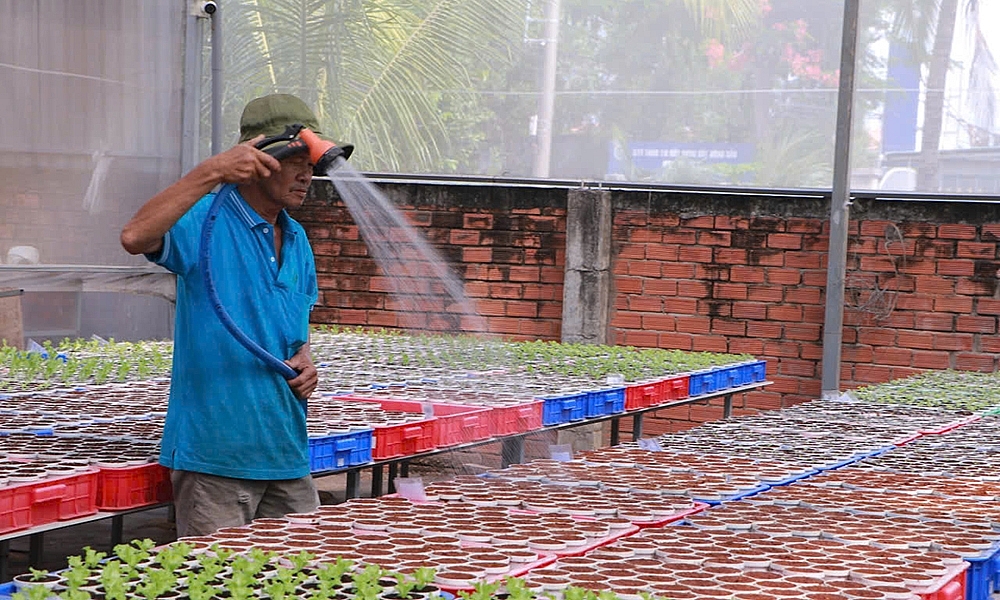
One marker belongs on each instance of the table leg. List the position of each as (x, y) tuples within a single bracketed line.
[(393, 472), (36, 544), (353, 483), (637, 427), (512, 451), (615, 426), (4, 555), (376, 481), (117, 529), (727, 406)]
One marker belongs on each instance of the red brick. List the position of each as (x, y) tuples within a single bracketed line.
[(764, 400), (763, 329), (918, 229), (765, 257), (900, 320), (624, 319), (953, 341), (688, 324), (957, 232), (475, 221), (550, 310), (990, 344), (915, 339), (715, 308), (967, 361), (938, 286), (477, 255), (976, 250), (764, 293), (781, 349), (797, 368), (901, 357), (988, 306), (784, 276), (694, 289), (747, 274), (683, 306), (785, 313), (771, 224), (803, 295), (955, 267), (636, 218), (679, 236), (914, 302), (787, 241), (631, 251), (664, 252), (645, 303), (642, 339), (931, 360), (525, 274), (955, 304), (541, 292), (663, 287), (862, 246), (876, 229), (802, 331), (872, 374), (746, 346), (710, 343), (814, 278), (811, 351), (522, 309), (711, 272), (725, 222), (664, 220), (730, 291), (750, 310), (460, 237), (857, 354), (645, 268), (703, 222), (645, 236), (804, 260), (800, 225), (893, 248), (971, 324), (781, 384), (877, 336), (505, 290), (729, 327), (731, 256), (678, 271), (628, 285), (878, 264), (714, 238), (935, 322), (815, 243), (918, 267), (701, 254), (676, 341), (659, 322)]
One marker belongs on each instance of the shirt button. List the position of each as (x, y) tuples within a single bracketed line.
[(272, 259), (266, 230)]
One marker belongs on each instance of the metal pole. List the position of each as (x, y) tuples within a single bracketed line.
[(546, 109), (840, 207), (190, 115), (216, 18)]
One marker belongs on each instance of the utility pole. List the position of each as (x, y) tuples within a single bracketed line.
[(546, 108), (840, 207)]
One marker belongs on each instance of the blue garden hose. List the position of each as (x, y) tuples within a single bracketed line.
[(204, 264)]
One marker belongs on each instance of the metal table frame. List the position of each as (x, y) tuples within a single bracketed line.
[(512, 451), (37, 540)]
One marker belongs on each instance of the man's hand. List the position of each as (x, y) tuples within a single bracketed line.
[(305, 384), (244, 163)]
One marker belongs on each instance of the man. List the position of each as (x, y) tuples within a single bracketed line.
[(235, 435)]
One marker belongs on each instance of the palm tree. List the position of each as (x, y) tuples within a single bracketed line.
[(929, 28), (375, 70)]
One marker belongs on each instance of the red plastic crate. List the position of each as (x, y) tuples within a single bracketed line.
[(461, 424), (15, 507), (131, 487), (511, 420), (393, 441), (674, 388), (642, 395), (951, 586)]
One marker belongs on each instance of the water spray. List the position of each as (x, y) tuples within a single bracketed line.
[(324, 156)]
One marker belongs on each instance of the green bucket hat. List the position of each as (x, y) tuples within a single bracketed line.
[(269, 115)]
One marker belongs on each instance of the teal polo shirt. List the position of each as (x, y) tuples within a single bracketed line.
[(229, 414)]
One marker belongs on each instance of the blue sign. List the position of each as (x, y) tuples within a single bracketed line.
[(653, 156)]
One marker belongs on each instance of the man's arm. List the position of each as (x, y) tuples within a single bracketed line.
[(240, 164)]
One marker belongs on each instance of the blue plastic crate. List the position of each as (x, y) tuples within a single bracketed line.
[(734, 498), (7, 590), (758, 371), (605, 402), (563, 409), (702, 382), (983, 576), (726, 377), (340, 451)]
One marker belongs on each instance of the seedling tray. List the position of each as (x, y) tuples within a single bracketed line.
[(520, 418), (47, 501)]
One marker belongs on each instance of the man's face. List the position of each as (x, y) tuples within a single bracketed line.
[(289, 186)]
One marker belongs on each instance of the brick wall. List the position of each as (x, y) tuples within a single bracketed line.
[(718, 273)]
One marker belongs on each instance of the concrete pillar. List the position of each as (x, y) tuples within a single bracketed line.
[(587, 287), (587, 283), (11, 325)]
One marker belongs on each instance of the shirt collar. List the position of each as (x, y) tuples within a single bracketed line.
[(253, 220)]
